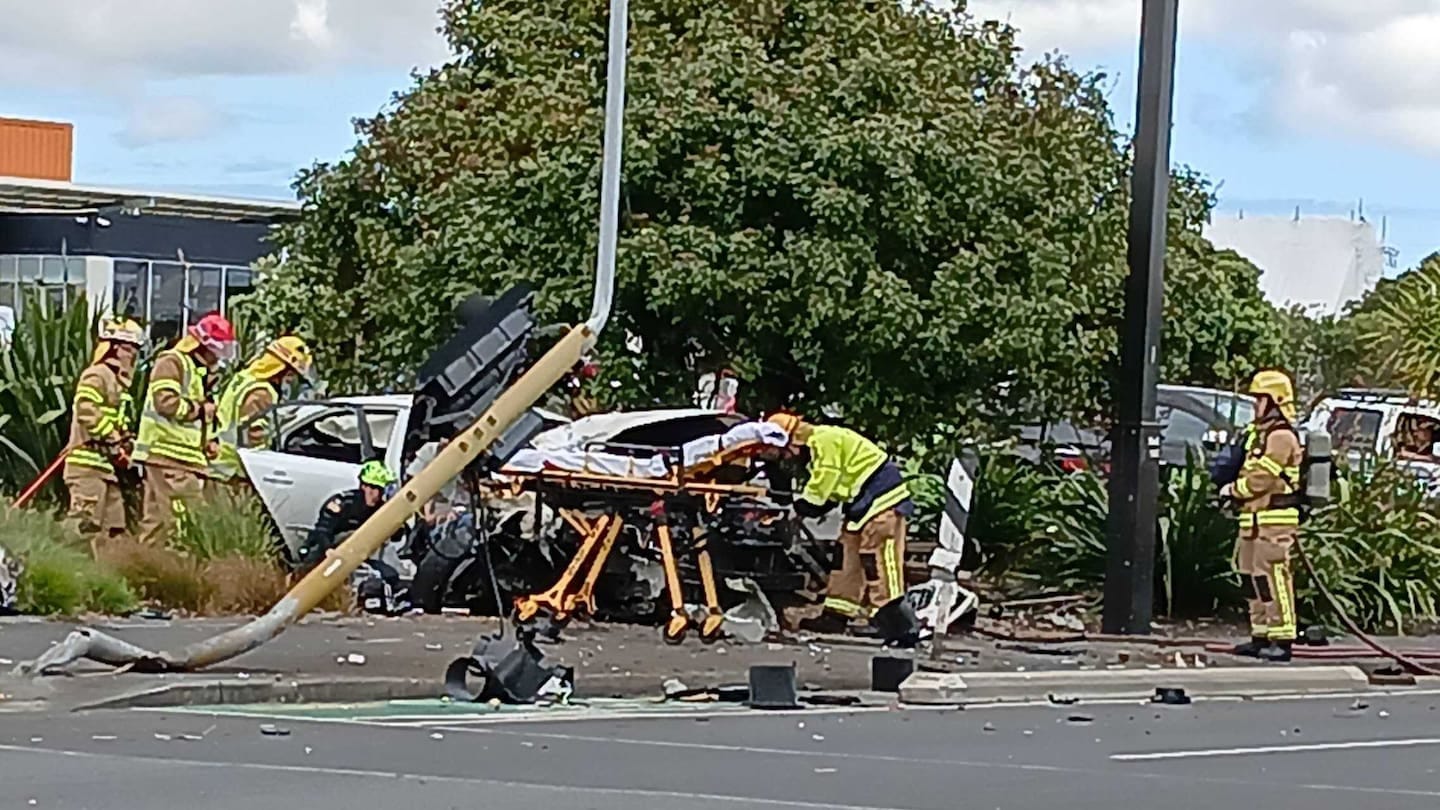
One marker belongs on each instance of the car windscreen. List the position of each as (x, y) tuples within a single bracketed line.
[(1353, 429)]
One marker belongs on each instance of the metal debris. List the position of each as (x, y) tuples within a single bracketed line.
[(274, 731)]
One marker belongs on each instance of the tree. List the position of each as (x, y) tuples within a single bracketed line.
[(859, 206), (1398, 327)]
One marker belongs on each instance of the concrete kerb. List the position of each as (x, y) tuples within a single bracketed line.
[(231, 691), (932, 688)]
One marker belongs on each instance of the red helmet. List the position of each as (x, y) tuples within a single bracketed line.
[(216, 334)]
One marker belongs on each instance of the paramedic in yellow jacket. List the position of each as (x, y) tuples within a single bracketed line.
[(1267, 493), (251, 393), (849, 469), (176, 426), (100, 433)]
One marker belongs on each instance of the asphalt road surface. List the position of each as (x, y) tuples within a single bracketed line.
[(1315, 754)]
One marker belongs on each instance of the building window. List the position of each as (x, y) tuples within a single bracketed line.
[(132, 289), (238, 281), (167, 300), (59, 280), (204, 287)]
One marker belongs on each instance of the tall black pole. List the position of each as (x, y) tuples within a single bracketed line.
[(1135, 472)]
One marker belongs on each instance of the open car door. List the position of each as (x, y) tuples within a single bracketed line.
[(317, 452)]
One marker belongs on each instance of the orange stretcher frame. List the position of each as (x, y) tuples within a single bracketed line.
[(566, 598)]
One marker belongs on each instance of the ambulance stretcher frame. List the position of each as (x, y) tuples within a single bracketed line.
[(573, 593)]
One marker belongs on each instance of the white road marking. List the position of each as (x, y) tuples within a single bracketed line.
[(442, 779), (1205, 753)]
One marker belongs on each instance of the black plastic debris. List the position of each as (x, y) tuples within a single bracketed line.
[(1062, 700), (897, 623), (831, 700), (1316, 636), (887, 672), (1170, 696), (509, 670), (772, 686)]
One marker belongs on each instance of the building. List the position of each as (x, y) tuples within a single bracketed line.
[(164, 258), (1319, 263)]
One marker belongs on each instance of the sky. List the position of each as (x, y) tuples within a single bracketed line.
[(1331, 106)]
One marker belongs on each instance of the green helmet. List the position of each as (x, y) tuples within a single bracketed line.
[(376, 474)]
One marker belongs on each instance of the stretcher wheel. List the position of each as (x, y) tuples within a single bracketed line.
[(675, 630), (713, 629)]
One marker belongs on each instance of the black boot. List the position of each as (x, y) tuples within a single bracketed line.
[(827, 624), (1277, 652), (1251, 648)]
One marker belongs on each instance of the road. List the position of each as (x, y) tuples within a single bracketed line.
[(1316, 754)]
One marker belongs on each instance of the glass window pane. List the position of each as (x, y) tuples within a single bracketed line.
[(7, 268), (167, 296), (55, 296), (29, 268), (7, 294), (132, 285), (53, 270), (237, 282), (204, 290), (75, 271)]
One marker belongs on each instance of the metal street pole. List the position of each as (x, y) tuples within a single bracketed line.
[(1135, 448)]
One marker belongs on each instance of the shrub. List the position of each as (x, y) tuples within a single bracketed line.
[(242, 585), (59, 578), (231, 525), (1010, 496), (161, 575), (37, 378), (1378, 552)]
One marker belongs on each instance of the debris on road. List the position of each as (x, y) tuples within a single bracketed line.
[(355, 659), (274, 731)]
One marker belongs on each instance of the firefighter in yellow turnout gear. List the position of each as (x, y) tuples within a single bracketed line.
[(100, 433), (251, 393), (176, 425), (1268, 494), (847, 468)]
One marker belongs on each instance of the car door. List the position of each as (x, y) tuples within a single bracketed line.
[(317, 451)]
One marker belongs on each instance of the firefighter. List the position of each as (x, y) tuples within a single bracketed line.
[(847, 468), (176, 444), (251, 393), (100, 434), (1267, 492)]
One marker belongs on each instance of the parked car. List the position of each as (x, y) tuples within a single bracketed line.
[(1196, 420), (1392, 426)]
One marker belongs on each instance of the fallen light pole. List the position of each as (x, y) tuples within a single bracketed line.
[(342, 561), (1135, 448)]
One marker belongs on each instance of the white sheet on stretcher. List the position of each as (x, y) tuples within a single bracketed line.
[(574, 459)]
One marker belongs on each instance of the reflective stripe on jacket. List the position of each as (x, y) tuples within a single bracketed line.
[(179, 437), (842, 463), (229, 414), (99, 416), (1272, 468)]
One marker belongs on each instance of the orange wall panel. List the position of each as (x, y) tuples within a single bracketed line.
[(38, 150)]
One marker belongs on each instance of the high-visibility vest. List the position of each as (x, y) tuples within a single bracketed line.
[(227, 414), (1288, 475), (167, 438), (113, 418), (841, 461)]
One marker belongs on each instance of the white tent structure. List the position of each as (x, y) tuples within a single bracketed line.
[(1320, 263)]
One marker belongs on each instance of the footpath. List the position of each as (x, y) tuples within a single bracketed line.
[(355, 659)]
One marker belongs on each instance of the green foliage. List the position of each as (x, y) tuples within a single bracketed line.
[(230, 525), (1066, 549), (37, 380), (1009, 498), (1327, 354), (868, 206), (1197, 543), (1378, 552), (1398, 327), (59, 578)]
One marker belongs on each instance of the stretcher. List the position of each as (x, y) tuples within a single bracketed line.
[(653, 494)]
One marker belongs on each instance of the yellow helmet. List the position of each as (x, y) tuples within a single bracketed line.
[(1277, 386), (293, 352), (786, 421), (122, 330)]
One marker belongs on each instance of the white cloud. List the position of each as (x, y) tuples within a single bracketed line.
[(123, 41), (1370, 68), (156, 120)]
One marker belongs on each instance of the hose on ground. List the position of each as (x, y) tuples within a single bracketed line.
[(1411, 665)]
